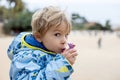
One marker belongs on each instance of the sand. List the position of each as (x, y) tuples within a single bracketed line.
[(92, 63), (4, 60)]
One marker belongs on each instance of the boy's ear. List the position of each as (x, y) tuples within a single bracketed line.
[(37, 36)]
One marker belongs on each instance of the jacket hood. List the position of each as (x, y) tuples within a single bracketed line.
[(15, 45)]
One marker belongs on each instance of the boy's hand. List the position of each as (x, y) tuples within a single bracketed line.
[(70, 55)]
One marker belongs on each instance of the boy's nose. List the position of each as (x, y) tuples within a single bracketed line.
[(64, 40)]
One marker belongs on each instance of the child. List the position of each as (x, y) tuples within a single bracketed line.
[(42, 54)]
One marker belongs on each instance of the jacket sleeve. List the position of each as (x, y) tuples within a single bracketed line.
[(26, 66), (58, 69)]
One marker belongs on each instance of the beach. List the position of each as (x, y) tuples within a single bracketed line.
[(93, 62)]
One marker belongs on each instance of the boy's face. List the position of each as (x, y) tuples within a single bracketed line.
[(55, 39)]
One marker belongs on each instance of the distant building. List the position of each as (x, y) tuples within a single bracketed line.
[(93, 26)]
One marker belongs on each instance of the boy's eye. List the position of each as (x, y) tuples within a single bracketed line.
[(57, 34)]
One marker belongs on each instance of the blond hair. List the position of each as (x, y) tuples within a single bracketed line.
[(48, 17)]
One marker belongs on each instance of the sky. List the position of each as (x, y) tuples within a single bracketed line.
[(92, 10)]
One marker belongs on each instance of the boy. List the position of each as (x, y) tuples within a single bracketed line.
[(42, 54)]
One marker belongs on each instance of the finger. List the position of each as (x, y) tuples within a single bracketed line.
[(66, 54), (72, 50), (71, 55), (74, 54), (72, 60)]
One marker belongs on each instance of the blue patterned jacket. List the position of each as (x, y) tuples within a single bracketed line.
[(34, 63)]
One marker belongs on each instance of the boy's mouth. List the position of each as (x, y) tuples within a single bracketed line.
[(63, 49)]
